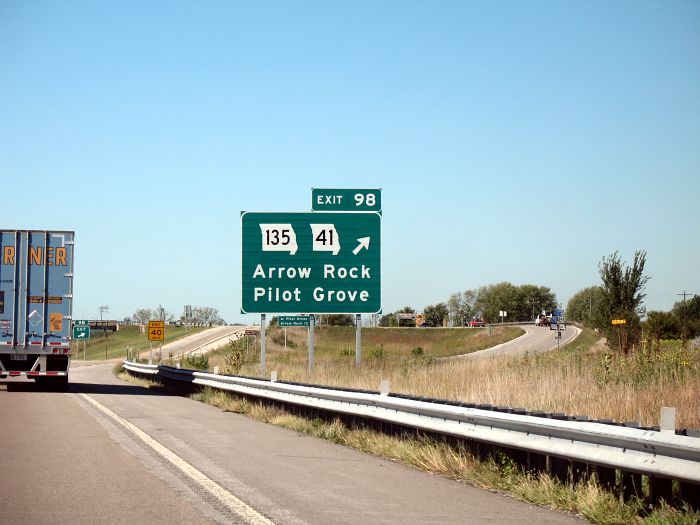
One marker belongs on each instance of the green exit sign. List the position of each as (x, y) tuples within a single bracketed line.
[(323, 199), (81, 332), (311, 262), (293, 320)]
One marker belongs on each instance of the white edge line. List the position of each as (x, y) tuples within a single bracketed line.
[(211, 486)]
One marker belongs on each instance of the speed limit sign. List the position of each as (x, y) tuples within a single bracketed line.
[(156, 330)]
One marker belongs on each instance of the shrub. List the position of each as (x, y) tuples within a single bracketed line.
[(195, 362), (377, 352)]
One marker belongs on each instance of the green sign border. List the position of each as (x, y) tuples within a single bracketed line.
[(350, 226), (347, 204), (81, 328), (290, 321)]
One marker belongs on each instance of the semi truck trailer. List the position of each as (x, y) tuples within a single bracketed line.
[(36, 304)]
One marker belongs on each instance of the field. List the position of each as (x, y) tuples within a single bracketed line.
[(584, 378), (108, 345), (383, 348)]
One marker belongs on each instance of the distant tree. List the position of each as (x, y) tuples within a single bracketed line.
[(142, 315), (161, 314), (622, 298), (340, 320), (388, 320), (405, 322), (584, 306), (205, 315), (493, 298), (435, 315), (530, 301), (688, 314), (662, 325), (103, 310)]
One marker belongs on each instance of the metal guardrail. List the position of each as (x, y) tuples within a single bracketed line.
[(630, 450)]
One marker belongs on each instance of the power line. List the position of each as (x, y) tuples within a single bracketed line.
[(684, 294)]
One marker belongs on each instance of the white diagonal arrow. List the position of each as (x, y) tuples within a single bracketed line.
[(364, 243)]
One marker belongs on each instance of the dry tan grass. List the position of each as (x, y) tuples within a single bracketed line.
[(568, 381)]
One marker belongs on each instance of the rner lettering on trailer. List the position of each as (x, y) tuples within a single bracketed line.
[(8, 255), (52, 256), (38, 255)]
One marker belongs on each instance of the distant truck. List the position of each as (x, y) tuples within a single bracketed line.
[(476, 323), (36, 304)]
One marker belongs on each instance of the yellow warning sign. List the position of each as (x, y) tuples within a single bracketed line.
[(56, 322), (156, 330), (619, 321)]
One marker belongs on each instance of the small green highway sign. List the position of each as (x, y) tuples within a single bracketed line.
[(293, 320), (323, 199), (81, 330), (311, 262)]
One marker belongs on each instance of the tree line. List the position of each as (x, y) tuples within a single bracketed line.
[(620, 296), (201, 315), (522, 303)]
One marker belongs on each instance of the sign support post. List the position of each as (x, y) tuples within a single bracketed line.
[(312, 322), (358, 340), (262, 345)]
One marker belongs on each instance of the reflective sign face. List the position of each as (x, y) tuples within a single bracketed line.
[(81, 332), (311, 262), (156, 330)]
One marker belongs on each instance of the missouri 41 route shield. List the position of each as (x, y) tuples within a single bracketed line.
[(311, 262)]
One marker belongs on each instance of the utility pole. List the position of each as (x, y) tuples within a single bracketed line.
[(684, 335)]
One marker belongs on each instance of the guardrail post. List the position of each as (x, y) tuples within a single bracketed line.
[(631, 485), (559, 469), (311, 342), (606, 477), (667, 421), (358, 340), (536, 463), (660, 489), (262, 345), (579, 471), (690, 493)]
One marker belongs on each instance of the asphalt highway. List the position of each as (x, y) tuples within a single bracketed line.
[(536, 339), (108, 451)]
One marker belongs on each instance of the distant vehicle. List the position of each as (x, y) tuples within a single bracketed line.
[(36, 304), (474, 323)]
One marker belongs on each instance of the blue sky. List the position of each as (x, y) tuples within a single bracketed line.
[(513, 141)]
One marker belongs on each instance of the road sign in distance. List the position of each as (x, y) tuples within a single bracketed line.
[(156, 330), (619, 321), (323, 199), (293, 320), (252, 331), (311, 262), (81, 332)]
